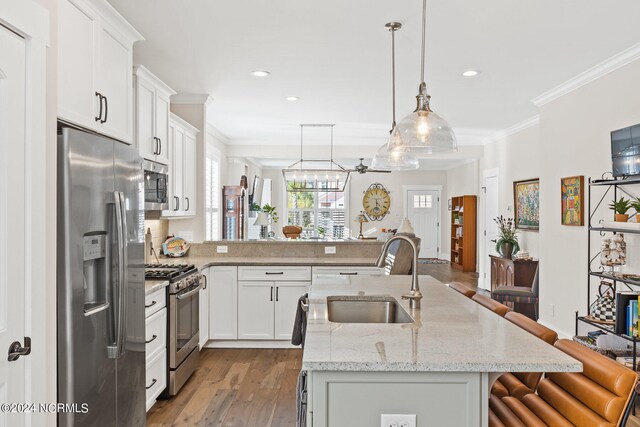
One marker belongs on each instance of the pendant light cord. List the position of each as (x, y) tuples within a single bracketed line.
[(393, 75), (424, 37)]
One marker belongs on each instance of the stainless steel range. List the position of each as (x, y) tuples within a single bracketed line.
[(183, 296)]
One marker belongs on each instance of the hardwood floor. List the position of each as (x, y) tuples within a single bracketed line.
[(445, 274), (233, 388)]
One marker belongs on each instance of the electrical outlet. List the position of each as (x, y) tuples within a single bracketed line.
[(329, 250), (222, 249), (398, 420)]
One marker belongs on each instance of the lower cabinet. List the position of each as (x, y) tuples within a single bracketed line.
[(222, 283), (204, 311), (155, 345), (349, 271), (266, 310)]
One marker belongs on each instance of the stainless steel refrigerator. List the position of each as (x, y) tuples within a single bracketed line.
[(100, 283)]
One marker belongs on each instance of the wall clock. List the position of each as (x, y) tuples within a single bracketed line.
[(376, 202)]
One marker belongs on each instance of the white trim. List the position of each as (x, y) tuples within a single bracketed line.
[(145, 73), (117, 21), (191, 98), (219, 136), (182, 122), (482, 256), (518, 127), (438, 188), (613, 63), (249, 344)]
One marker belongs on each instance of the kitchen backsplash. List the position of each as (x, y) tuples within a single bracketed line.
[(159, 232)]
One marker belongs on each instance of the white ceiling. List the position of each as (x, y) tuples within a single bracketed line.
[(335, 55)]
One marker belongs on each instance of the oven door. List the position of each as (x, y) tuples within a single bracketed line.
[(184, 330), (156, 186)]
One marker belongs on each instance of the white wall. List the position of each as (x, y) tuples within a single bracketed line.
[(575, 140)]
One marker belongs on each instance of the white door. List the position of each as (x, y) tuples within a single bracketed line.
[(422, 210), (145, 125), (77, 56), (189, 174), (287, 295), (13, 95), (115, 84), (255, 310), (162, 126), (223, 303), (491, 211)]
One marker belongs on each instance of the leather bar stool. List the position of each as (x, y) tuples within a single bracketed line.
[(596, 397), (464, 290), (518, 384), (492, 305)]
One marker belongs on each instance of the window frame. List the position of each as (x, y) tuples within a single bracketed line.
[(316, 210)]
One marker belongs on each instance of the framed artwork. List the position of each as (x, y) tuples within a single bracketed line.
[(572, 199), (526, 204)]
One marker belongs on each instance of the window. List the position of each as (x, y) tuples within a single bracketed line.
[(212, 191), (319, 214), (422, 201)]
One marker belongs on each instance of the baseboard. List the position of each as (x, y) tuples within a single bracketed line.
[(249, 344), (560, 332)]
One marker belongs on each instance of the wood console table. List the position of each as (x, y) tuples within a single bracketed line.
[(512, 272)]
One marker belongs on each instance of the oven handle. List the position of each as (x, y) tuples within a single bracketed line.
[(188, 294)]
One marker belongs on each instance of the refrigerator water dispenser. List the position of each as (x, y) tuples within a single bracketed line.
[(95, 272)]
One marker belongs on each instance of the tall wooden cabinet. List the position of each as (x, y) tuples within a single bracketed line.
[(463, 232), (233, 206)]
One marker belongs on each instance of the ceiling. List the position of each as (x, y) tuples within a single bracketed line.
[(335, 55)]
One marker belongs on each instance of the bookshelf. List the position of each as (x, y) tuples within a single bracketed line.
[(463, 232)]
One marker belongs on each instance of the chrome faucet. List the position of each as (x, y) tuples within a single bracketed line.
[(415, 295)]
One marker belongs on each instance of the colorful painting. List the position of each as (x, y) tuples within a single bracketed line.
[(572, 194), (526, 195)]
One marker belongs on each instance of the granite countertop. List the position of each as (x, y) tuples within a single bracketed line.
[(450, 333), (153, 285), (202, 262)]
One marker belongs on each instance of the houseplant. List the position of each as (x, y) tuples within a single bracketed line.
[(268, 209), (620, 208), (636, 205), (507, 241)]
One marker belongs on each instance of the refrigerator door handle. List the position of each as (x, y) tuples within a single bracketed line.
[(124, 284), (114, 351)]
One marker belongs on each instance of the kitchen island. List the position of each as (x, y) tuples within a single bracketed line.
[(440, 364)]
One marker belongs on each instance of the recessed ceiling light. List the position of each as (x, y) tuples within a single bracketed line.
[(471, 73), (291, 98), (260, 73)]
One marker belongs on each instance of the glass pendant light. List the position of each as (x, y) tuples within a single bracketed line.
[(424, 132), (396, 158)]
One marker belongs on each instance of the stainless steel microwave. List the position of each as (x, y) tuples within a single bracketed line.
[(156, 186)]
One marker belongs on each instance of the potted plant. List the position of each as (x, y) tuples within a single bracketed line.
[(507, 241), (266, 215), (636, 205), (620, 208)]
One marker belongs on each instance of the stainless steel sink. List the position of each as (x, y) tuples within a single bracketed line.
[(366, 309)]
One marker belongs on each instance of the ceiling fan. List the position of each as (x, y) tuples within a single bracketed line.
[(362, 168)]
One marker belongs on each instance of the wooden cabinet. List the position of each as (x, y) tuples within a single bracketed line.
[(182, 169), (233, 206), (155, 344), (95, 54), (463, 232), (512, 272), (222, 283), (152, 115)]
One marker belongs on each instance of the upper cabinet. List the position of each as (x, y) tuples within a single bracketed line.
[(182, 172), (152, 116), (95, 56)]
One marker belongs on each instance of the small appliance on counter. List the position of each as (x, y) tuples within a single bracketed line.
[(183, 331)]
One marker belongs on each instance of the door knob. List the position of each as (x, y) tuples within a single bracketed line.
[(16, 350)]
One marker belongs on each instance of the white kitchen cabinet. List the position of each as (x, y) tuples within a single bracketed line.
[(349, 271), (152, 104), (182, 170), (204, 309), (223, 303), (95, 53), (286, 304), (155, 312), (256, 310)]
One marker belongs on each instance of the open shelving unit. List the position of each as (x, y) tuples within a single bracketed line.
[(611, 190), (463, 232)]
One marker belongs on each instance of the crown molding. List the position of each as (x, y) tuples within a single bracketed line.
[(466, 136), (191, 98), (219, 136), (613, 63)]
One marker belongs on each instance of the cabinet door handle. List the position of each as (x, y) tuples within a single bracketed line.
[(150, 305), (274, 272), (106, 109), (277, 289), (187, 204), (152, 339), (159, 146), (155, 145), (100, 112), (354, 273), (152, 384), (272, 293), (177, 203)]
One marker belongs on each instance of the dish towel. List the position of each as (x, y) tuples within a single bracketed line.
[(300, 324), (301, 399)]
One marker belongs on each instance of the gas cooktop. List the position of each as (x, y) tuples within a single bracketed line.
[(171, 272)]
